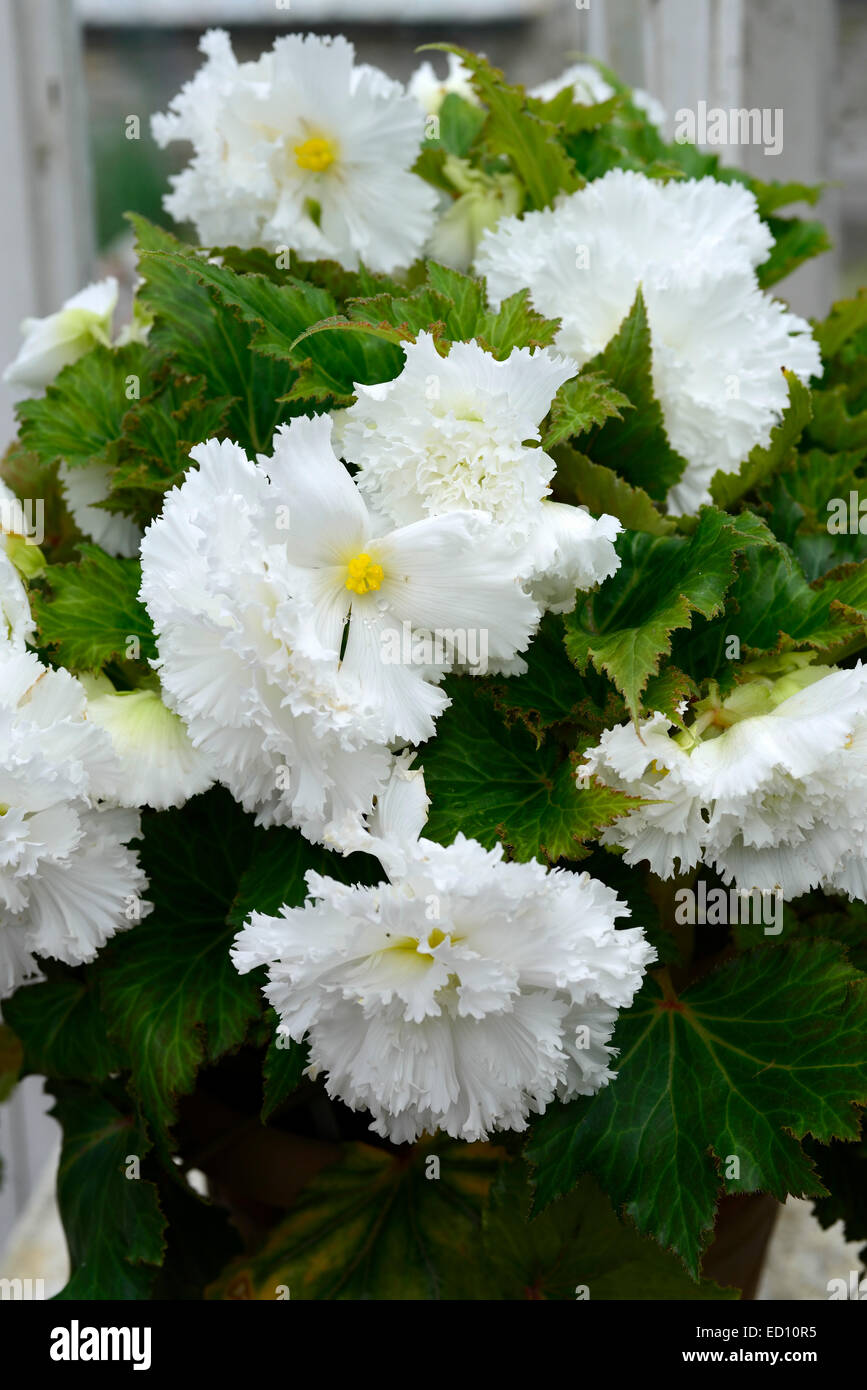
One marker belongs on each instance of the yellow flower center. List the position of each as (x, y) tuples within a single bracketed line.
[(363, 575), (315, 154)]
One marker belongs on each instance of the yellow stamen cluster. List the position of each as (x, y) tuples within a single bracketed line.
[(363, 575), (315, 154)]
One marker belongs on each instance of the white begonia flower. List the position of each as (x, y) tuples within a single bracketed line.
[(156, 764), (16, 620), (718, 342), (291, 737), (768, 786), (430, 91), (463, 995), (302, 150), (86, 485), (54, 342), (455, 433), (68, 881)]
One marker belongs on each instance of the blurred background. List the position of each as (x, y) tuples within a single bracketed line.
[(806, 57), (73, 73)]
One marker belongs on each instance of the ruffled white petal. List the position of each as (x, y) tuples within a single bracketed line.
[(324, 511), (83, 487), (454, 433), (458, 573), (777, 801), (569, 550), (157, 764), (68, 880)]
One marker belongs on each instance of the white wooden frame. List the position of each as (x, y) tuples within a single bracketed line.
[(46, 230), (46, 251)]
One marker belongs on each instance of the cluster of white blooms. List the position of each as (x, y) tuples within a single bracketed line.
[(302, 631), (77, 760), (68, 880), (302, 149), (768, 786), (719, 343), (273, 587), (308, 605), (464, 994)]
